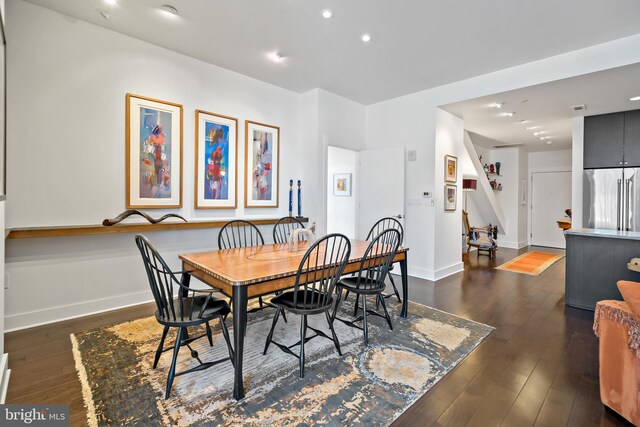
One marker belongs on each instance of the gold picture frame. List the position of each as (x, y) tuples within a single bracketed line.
[(450, 168)]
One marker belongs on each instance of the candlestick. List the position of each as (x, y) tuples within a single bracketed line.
[(290, 197), (299, 199)]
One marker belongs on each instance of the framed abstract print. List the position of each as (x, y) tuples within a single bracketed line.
[(153, 153), (216, 170), (262, 171), (450, 168), (342, 184), (450, 197)]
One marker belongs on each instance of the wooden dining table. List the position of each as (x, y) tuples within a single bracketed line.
[(254, 271)]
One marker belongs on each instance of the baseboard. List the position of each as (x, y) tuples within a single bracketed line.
[(16, 322), (511, 245), (420, 273), (448, 271)]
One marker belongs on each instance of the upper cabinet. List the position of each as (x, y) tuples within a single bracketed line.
[(632, 138), (612, 140), (604, 141)]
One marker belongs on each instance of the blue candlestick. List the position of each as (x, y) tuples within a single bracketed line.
[(299, 199), (290, 197)]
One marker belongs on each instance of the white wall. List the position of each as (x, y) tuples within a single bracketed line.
[(577, 162), (523, 212), (67, 81), (410, 121), (448, 140), (342, 211)]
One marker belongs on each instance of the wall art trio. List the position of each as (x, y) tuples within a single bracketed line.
[(154, 158)]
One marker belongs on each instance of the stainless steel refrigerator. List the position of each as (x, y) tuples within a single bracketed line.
[(611, 199)]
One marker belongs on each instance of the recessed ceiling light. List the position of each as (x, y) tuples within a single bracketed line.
[(549, 142), (532, 127), (523, 122), (497, 104), (276, 57), (542, 138), (508, 114), (103, 13), (635, 98), (110, 2), (538, 133), (366, 38), (169, 10), (327, 14)]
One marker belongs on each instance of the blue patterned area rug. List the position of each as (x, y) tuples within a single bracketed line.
[(366, 386)]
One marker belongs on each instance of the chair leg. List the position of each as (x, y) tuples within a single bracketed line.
[(395, 289), (284, 316), (209, 335), (335, 308), (260, 301), (160, 347), (303, 330), (346, 295), (225, 333), (172, 370), (364, 320), (333, 332), (386, 313), (273, 327), (355, 309)]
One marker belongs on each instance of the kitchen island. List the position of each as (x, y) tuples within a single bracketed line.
[(596, 260)]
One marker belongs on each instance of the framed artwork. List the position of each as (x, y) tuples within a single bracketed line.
[(216, 170), (450, 197), (342, 184), (153, 153), (262, 159), (450, 168)]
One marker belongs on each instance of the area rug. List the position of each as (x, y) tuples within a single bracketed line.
[(533, 263), (368, 386)]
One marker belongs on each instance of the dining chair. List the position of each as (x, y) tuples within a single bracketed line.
[(370, 280), (284, 227), (377, 228), (318, 272), (179, 306), (241, 234)]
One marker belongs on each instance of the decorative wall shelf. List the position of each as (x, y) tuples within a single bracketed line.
[(85, 230)]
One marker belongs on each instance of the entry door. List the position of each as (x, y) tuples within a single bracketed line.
[(381, 187), (550, 196)]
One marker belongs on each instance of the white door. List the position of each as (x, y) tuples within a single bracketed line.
[(381, 187), (550, 196)]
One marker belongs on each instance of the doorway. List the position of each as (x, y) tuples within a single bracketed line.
[(550, 196)]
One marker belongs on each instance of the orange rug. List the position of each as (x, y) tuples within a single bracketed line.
[(532, 263)]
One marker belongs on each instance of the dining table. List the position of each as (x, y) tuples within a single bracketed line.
[(249, 272)]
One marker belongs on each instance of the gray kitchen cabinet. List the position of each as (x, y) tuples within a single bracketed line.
[(632, 138), (604, 141)]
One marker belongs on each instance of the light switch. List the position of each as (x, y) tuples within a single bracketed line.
[(412, 155)]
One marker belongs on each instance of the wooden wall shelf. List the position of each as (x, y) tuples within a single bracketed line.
[(85, 230)]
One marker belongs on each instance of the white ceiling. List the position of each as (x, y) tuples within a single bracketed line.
[(416, 44), (548, 106)]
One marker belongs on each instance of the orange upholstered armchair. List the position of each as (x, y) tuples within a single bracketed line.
[(617, 325)]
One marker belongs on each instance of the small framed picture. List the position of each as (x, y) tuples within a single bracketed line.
[(342, 184), (450, 168), (450, 197)]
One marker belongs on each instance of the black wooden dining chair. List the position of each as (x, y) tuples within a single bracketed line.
[(370, 279), (284, 227), (179, 307), (241, 234), (319, 271)]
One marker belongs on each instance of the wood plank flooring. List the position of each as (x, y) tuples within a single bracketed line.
[(538, 368)]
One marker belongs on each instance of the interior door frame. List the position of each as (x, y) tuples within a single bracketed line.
[(530, 193)]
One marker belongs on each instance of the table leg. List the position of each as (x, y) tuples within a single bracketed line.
[(185, 280), (239, 324), (405, 286)]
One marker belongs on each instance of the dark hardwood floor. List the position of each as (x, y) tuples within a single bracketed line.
[(539, 367)]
